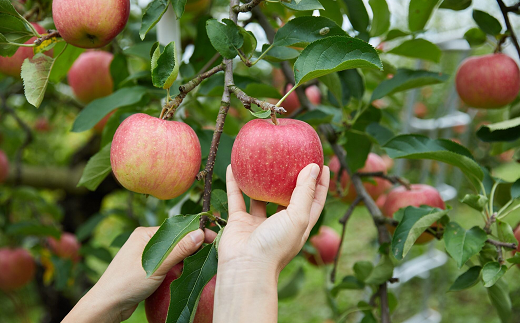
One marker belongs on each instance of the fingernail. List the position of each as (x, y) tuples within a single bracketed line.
[(197, 236), (315, 170)]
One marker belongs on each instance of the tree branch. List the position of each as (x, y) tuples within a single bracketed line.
[(248, 100), (490, 221), (246, 7), (391, 178), (504, 10), (50, 35), (507, 245)]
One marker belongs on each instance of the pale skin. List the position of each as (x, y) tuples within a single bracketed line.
[(252, 252)]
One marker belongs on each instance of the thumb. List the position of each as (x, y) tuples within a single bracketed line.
[(303, 194), (185, 248)]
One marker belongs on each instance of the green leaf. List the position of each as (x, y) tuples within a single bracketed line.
[(225, 38), (97, 168), (332, 10), (381, 20), (357, 14), (280, 53), (475, 201), (382, 272), (98, 252), (332, 54), (262, 114), (475, 37), (492, 272), (316, 117), (358, 147), (462, 244), (250, 42), (467, 280), (119, 70), (455, 4), (293, 286), (352, 86), (499, 296), (63, 271), (219, 201), (178, 7), (85, 230), (198, 270), (443, 150), (419, 12), (380, 133), (515, 259), (333, 83), (348, 282), (303, 5), (505, 232), (165, 66), (99, 108), (203, 48), (171, 231), (515, 189), (302, 31), (151, 15), (64, 61), (395, 33), (414, 222), (418, 48), (35, 75), (363, 269), (406, 79), (508, 130), (261, 90), (8, 48), (13, 29), (32, 228), (121, 239), (489, 24)]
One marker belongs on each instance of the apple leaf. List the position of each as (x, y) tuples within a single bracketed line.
[(99, 108), (419, 12), (185, 291), (492, 272), (261, 90), (304, 30), (462, 244), (475, 37), (332, 10), (475, 201), (505, 232), (293, 286), (151, 15), (515, 189), (396, 33), (64, 61), (164, 66), (85, 229), (443, 150), (303, 5), (13, 29), (499, 296), (468, 279), (316, 117), (413, 223), (97, 168), (489, 24), (332, 54), (515, 259), (32, 228), (8, 48), (456, 5), (249, 46), (406, 79), (508, 130), (348, 282), (418, 48), (225, 37), (178, 7), (98, 252), (382, 272), (119, 70), (279, 53), (171, 231), (333, 84), (262, 114), (358, 147), (219, 200), (357, 14), (381, 20), (363, 269), (35, 75)]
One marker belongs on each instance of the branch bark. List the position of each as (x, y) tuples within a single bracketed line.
[(248, 100), (504, 10), (246, 7)]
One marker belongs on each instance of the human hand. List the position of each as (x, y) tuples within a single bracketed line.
[(124, 284)]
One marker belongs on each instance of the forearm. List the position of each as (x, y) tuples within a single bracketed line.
[(246, 296), (92, 308)]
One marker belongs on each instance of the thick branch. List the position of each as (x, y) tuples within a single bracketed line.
[(169, 108), (507, 245), (490, 222), (248, 100), (50, 35), (246, 7), (504, 10), (391, 178)]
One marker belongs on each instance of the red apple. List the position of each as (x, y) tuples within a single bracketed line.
[(4, 166), (154, 156), (326, 243), (420, 110), (102, 123), (291, 103), (92, 23), (373, 164), (89, 77), (12, 66), (17, 268), (266, 158), (156, 306), (488, 81), (42, 125), (381, 200), (419, 194), (67, 247)]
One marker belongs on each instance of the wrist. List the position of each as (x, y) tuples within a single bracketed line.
[(93, 307)]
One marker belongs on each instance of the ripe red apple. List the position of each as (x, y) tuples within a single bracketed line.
[(381, 200), (92, 23), (488, 81), (154, 156), (419, 194), (156, 306), (42, 125), (266, 158), (4, 166), (17, 268), (420, 110), (291, 103), (67, 247), (326, 243), (374, 163), (89, 77), (12, 66)]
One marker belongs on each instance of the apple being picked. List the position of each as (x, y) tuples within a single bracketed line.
[(17, 268), (373, 164), (154, 156), (326, 243), (4, 166), (156, 306), (267, 158), (291, 103), (67, 247), (488, 81), (419, 194), (92, 23), (12, 66), (89, 77)]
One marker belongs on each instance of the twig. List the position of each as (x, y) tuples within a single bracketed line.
[(514, 8), (264, 105), (343, 221), (50, 35), (489, 222), (504, 10), (209, 63), (507, 245), (391, 178), (169, 109), (246, 7)]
